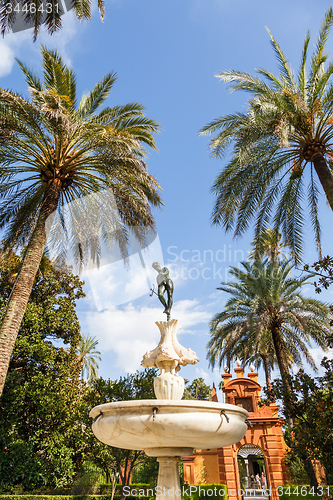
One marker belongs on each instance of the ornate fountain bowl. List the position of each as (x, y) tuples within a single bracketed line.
[(156, 424)]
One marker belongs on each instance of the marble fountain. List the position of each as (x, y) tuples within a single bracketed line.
[(168, 427)]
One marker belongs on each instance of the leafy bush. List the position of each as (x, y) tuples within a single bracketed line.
[(54, 497), (298, 474), (199, 494), (88, 480)]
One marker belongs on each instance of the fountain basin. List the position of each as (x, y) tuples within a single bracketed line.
[(159, 423)]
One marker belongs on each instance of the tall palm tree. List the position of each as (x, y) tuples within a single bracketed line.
[(284, 139), (88, 356), (37, 13), (266, 315), (268, 244), (56, 152)]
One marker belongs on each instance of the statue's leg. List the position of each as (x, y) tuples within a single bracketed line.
[(170, 301), (161, 290)]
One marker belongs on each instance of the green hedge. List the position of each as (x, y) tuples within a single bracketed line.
[(189, 492), (67, 497), (304, 492), (55, 497)]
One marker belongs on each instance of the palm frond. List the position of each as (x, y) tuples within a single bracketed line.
[(91, 102), (302, 70), (286, 71)]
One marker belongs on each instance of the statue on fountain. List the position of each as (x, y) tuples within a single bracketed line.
[(165, 284)]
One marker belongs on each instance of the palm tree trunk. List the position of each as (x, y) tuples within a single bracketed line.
[(278, 347), (229, 362), (266, 368), (18, 301), (325, 176), (283, 367)]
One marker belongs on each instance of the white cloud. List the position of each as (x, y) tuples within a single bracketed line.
[(9, 49), (60, 40), (130, 332), (209, 378), (21, 45), (202, 374), (115, 284), (190, 313), (318, 354), (6, 58)]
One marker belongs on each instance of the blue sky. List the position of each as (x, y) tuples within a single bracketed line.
[(166, 54)]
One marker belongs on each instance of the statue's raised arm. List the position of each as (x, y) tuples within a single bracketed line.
[(165, 285)]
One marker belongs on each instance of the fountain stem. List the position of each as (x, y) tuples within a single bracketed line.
[(168, 483)]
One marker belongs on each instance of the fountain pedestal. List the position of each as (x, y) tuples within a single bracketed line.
[(168, 478), (168, 483)]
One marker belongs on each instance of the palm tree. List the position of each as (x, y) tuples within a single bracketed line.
[(284, 139), (55, 153), (37, 13), (267, 316), (268, 244), (223, 347), (88, 356)]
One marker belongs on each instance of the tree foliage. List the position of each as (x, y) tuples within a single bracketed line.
[(323, 271), (42, 438), (262, 297), (89, 356), (134, 386), (266, 318), (39, 13), (311, 408), (197, 389)]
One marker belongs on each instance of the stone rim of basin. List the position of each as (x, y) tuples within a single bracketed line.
[(191, 404)]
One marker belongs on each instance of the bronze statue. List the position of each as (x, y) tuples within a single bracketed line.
[(165, 284)]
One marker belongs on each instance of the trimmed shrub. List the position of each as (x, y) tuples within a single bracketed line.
[(69, 497), (189, 492), (54, 497)]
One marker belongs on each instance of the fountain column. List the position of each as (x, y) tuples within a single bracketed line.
[(168, 478), (168, 483)]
